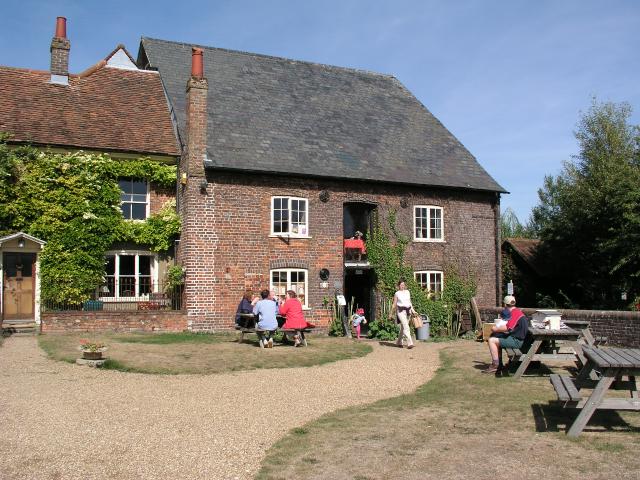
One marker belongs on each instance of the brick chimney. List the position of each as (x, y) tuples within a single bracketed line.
[(197, 251), (60, 46)]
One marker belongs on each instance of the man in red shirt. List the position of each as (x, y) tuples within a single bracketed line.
[(510, 335)]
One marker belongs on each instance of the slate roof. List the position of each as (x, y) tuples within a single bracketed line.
[(280, 115), (104, 108)]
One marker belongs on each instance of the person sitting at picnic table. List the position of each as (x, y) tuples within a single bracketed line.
[(266, 310), (292, 311), (509, 335), (245, 305)]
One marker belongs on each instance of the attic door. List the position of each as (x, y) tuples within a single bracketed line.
[(18, 285)]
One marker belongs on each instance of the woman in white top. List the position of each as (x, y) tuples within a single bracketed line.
[(403, 306)]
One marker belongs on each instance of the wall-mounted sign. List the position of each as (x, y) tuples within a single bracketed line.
[(341, 300)]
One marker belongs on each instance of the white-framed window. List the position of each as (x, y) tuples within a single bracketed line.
[(134, 195), (428, 223), (129, 275), (430, 280), (290, 279), (290, 216)]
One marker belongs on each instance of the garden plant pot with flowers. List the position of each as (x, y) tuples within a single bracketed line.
[(92, 350)]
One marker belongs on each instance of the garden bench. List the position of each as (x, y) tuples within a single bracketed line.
[(565, 388), (297, 331), (259, 332), (613, 364)]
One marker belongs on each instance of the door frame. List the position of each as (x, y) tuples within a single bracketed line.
[(22, 243)]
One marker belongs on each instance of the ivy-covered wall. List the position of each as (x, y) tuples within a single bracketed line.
[(72, 201)]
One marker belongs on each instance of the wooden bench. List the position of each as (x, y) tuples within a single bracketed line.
[(260, 333), (297, 331), (565, 388), (513, 353)]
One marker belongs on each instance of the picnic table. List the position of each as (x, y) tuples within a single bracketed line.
[(253, 319), (587, 337), (568, 336), (612, 364)]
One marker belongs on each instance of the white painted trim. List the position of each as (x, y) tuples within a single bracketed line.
[(289, 234), (428, 240), (305, 305), (429, 272)]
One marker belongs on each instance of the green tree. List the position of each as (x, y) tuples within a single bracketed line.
[(511, 227), (589, 215)]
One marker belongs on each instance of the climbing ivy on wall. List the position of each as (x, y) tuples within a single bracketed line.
[(385, 249), (72, 201)]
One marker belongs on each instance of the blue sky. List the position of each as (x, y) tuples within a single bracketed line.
[(507, 78)]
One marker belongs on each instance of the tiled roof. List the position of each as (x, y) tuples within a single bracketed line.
[(279, 115), (104, 108), (528, 250)]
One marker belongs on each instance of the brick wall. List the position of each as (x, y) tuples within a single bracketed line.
[(234, 226), (159, 196), (139, 321), (60, 56), (621, 328)]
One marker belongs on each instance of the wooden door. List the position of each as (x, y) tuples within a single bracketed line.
[(18, 286)]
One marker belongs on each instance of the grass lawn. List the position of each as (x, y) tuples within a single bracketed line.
[(174, 353), (461, 424)]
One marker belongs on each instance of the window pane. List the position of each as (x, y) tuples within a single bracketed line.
[(436, 223), (125, 185), (110, 265), (139, 186), (144, 285), (421, 222), (109, 289), (127, 286), (127, 265), (126, 210), (138, 211), (144, 265)]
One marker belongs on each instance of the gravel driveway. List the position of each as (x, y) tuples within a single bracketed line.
[(62, 421)]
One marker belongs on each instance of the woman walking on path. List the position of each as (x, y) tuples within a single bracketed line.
[(403, 307)]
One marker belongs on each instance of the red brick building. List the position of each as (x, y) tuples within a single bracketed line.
[(113, 107), (282, 160)]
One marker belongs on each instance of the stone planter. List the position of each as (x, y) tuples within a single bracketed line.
[(91, 355)]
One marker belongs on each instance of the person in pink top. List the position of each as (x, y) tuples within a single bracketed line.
[(292, 310)]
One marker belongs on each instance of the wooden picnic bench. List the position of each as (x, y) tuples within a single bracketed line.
[(584, 326), (259, 332), (568, 335), (262, 333), (612, 364)]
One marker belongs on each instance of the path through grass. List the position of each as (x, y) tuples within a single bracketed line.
[(461, 424)]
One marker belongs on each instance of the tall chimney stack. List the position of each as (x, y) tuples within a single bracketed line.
[(60, 47), (197, 250)]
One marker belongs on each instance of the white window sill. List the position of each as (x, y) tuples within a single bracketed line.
[(288, 235), (428, 240)]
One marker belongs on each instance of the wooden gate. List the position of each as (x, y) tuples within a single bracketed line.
[(18, 286)]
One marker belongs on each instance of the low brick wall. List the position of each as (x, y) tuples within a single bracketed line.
[(138, 321), (620, 327)]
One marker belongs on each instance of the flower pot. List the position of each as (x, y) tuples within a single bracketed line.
[(92, 355)]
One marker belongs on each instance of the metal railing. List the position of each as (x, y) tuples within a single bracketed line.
[(124, 294)]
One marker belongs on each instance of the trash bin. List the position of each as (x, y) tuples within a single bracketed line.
[(93, 305), (422, 333)]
